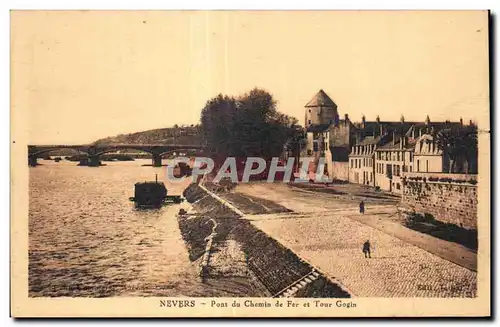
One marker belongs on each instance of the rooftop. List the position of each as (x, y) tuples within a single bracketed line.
[(369, 140), (321, 99)]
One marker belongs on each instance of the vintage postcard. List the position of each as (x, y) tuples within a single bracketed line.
[(250, 164)]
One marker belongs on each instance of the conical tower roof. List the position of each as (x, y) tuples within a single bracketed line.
[(321, 99)]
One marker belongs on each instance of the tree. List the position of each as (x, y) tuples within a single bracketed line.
[(248, 125), (460, 145), (217, 124)]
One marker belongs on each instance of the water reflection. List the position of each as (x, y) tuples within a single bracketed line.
[(86, 238)]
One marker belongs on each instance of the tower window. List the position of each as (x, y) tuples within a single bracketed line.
[(309, 110), (309, 122)]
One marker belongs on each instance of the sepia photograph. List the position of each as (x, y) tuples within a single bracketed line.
[(250, 163)]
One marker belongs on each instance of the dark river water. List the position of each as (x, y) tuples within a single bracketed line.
[(87, 239)]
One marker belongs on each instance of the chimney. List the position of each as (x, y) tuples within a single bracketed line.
[(461, 122), (470, 122), (363, 121), (378, 119), (402, 119), (427, 120), (346, 118)]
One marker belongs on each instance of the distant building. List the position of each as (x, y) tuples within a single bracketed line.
[(374, 153), (321, 110), (362, 161)]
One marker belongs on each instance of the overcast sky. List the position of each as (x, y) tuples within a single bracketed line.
[(79, 76)]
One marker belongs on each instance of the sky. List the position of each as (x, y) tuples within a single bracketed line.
[(77, 76)]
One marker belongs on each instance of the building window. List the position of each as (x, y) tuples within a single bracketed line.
[(352, 160), (309, 121), (315, 146), (396, 170), (410, 169), (309, 110), (398, 186), (427, 165), (418, 165)]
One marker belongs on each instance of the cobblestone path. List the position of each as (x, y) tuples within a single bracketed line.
[(331, 239), (396, 269)]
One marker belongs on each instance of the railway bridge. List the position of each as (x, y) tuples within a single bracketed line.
[(94, 151)]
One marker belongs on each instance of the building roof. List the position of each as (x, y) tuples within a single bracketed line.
[(437, 126), (318, 128), (369, 140), (321, 99), (409, 145)]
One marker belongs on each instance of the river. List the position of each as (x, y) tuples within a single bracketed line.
[(87, 239)]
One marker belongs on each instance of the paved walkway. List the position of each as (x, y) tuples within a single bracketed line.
[(330, 235)]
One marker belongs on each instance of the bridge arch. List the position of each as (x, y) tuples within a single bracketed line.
[(39, 152), (114, 149)]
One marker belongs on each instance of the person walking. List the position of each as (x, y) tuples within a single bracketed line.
[(362, 207), (366, 249)]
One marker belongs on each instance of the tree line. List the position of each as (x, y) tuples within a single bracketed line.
[(248, 125)]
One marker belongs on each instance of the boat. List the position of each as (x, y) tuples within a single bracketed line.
[(153, 194)]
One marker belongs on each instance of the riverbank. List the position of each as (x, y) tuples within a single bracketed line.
[(266, 264)]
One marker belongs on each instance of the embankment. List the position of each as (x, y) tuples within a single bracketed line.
[(277, 268)]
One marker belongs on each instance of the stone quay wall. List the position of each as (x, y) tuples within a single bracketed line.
[(450, 198), (274, 265)]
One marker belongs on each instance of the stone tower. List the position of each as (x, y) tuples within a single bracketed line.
[(321, 110)]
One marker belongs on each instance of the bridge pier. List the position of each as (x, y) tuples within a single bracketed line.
[(32, 161), (90, 161), (94, 161), (156, 160)]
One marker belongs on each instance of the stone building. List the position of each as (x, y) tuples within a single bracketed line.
[(374, 153), (321, 110), (391, 161), (362, 161)]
